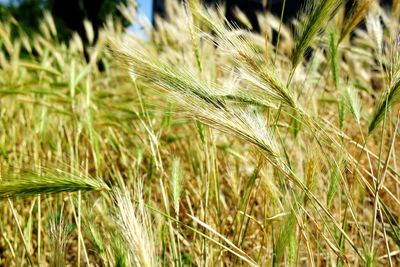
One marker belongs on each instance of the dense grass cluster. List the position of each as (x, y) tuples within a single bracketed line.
[(206, 144)]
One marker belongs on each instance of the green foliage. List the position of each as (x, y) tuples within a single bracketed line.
[(333, 47)]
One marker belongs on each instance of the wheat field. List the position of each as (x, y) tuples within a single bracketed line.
[(205, 144)]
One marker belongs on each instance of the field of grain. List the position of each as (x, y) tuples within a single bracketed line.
[(205, 144)]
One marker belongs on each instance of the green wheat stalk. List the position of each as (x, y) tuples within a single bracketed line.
[(30, 183), (389, 99), (311, 21)]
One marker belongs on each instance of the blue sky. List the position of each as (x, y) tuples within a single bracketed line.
[(145, 8)]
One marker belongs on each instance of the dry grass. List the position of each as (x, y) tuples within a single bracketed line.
[(205, 145)]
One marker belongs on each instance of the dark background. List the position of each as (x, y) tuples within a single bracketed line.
[(69, 14)]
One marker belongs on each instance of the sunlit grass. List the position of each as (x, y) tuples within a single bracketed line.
[(205, 145)]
